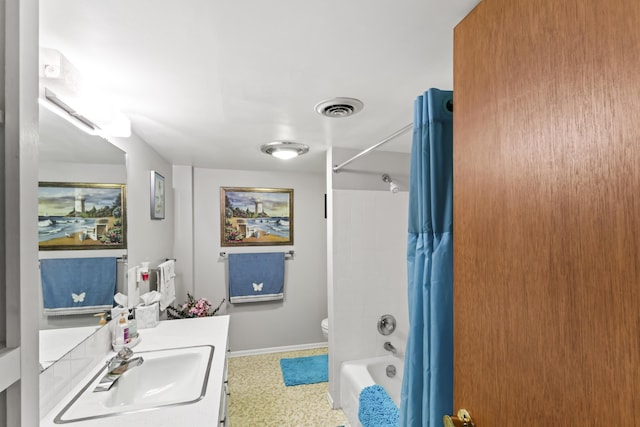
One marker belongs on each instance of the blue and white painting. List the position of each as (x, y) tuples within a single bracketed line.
[(255, 216), (81, 216)]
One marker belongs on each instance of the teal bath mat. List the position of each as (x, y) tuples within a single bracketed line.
[(305, 370)]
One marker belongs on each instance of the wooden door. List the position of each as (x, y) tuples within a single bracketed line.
[(547, 213)]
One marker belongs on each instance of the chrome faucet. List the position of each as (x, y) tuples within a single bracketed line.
[(117, 366), (389, 347)]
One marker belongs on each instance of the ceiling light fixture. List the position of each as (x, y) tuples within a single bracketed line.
[(59, 108), (284, 149)]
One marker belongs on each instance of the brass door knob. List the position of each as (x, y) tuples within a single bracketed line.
[(463, 419)]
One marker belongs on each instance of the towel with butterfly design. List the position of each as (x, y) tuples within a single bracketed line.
[(255, 277), (77, 285)]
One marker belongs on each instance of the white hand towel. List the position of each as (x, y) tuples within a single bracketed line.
[(166, 285)]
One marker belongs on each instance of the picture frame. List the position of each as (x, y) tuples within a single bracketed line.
[(81, 216), (157, 195), (256, 216)]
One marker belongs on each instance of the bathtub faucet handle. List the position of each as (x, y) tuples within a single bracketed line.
[(389, 347), (386, 324)]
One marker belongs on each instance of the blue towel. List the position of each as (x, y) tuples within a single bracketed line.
[(256, 277), (376, 408), (77, 285)]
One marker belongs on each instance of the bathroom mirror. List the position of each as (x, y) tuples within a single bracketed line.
[(68, 154)]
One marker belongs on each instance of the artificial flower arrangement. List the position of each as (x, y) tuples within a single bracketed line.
[(193, 308)]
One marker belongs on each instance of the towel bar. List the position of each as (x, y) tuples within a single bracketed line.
[(156, 269), (287, 255)]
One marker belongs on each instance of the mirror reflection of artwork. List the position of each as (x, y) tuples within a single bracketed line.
[(81, 216), (256, 216), (157, 195)]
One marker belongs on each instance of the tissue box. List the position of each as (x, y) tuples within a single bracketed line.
[(147, 316)]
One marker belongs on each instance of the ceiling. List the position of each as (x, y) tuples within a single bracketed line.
[(206, 82)]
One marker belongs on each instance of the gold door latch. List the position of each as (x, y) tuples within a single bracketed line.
[(463, 419)]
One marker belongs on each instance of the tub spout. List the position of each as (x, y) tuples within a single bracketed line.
[(389, 347)]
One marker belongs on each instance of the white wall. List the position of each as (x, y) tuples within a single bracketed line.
[(254, 326), (82, 172), (368, 266), (19, 268)]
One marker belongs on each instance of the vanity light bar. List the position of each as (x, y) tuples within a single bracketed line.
[(53, 98)]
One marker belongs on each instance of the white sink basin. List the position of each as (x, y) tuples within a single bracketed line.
[(176, 376)]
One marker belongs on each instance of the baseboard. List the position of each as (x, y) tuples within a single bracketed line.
[(258, 351), (330, 399)]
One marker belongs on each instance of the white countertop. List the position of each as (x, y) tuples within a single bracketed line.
[(169, 334)]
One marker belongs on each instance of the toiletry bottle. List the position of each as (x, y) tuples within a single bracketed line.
[(118, 335), (133, 326), (122, 334)]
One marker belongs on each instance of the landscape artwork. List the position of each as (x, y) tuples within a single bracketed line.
[(81, 216), (256, 216)]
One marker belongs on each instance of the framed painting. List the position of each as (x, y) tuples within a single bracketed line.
[(256, 216), (157, 195), (81, 216)]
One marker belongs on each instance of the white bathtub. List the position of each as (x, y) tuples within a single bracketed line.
[(358, 374)]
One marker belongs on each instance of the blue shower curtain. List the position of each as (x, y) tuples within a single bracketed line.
[(427, 386)]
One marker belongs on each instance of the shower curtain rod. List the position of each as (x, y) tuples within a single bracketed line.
[(337, 168)]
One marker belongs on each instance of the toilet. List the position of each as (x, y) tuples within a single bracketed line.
[(325, 327)]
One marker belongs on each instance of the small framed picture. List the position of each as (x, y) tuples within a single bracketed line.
[(157, 195)]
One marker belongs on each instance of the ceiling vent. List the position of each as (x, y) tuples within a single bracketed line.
[(339, 107)]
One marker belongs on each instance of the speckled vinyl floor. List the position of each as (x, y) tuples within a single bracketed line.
[(259, 398)]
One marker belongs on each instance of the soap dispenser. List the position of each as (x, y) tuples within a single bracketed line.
[(102, 320)]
